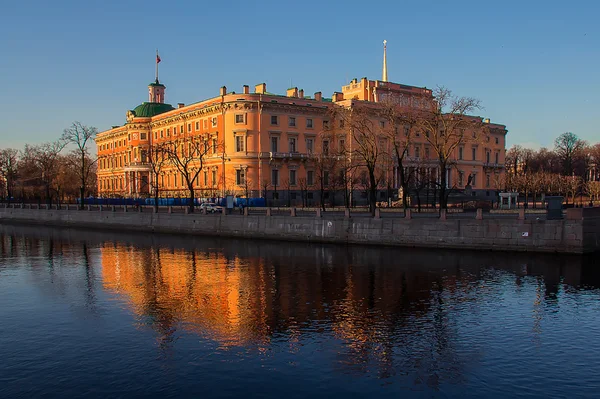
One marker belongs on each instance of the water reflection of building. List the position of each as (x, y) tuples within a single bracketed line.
[(379, 311)]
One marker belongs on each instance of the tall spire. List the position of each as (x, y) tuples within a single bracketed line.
[(384, 77)]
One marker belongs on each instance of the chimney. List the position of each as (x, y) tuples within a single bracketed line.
[(318, 96), (301, 93), (223, 90), (260, 88), (486, 120), (337, 96), (245, 89), (292, 92), (363, 81), (180, 105)]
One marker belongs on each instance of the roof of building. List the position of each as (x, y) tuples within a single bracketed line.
[(156, 83), (148, 110)]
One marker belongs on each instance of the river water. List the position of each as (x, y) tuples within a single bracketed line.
[(104, 314)]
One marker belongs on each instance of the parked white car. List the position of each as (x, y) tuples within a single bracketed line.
[(210, 207)]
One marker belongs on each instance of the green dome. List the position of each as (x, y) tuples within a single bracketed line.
[(148, 110)]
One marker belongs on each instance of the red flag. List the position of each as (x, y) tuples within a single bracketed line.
[(157, 58)]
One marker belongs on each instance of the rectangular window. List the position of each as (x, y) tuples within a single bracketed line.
[(497, 156), (239, 143), (325, 178), (474, 153), (214, 178), (155, 135), (309, 123), (487, 156), (205, 123), (214, 146), (189, 127), (417, 151), (169, 132), (309, 145), (275, 177), (214, 121), (274, 142), (426, 152), (342, 145), (205, 178), (325, 147), (240, 177), (181, 129), (497, 141), (473, 181), (292, 177), (292, 144), (274, 120), (487, 180), (197, 125), (381, 124), (142, 136), (325, 125), (460, 178), (460, 153), (341, 123), (406, 130), (310, 178), (292, 121), (239, 118)]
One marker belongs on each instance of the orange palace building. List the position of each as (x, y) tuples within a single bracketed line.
[(263, 145)]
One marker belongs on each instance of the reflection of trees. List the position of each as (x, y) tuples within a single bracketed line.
[(380, 312)]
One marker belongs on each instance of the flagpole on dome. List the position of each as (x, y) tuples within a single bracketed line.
[(157, 61)]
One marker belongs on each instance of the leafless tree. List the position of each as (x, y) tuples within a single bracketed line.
[(399, 127), (369, 143), (9, 162), (285, 183), (158, 159), (302, 183), (593, 190), (45, 161), (568, 146), (447, 125), (572, 185), (187, 154), (81, 136)]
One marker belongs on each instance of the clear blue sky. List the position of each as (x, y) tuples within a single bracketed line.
[(533, 64)]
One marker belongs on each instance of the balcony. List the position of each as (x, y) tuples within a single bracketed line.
[(137, 166), (491, 165)]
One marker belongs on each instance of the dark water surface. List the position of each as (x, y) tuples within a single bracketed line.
[(108, 315)]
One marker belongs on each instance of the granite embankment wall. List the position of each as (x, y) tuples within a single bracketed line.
[(578, 232)]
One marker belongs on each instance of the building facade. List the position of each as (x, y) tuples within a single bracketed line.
[(260, 144)]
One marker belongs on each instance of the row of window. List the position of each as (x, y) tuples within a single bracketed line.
[(488, 155), (292, 122)]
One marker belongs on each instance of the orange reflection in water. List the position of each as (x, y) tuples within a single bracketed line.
[(206, 293)]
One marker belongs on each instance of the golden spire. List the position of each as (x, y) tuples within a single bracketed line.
[(384, 77)]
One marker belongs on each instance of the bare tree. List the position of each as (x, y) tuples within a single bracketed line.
[(158, 158), (187, 155), (45, 161), (81, 136), (447, 125), (568, 146), (288, 188), (265, 188), (369, 144), (302, 183), (572, 186), (593, 190), (9, 162), (399, 128)]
